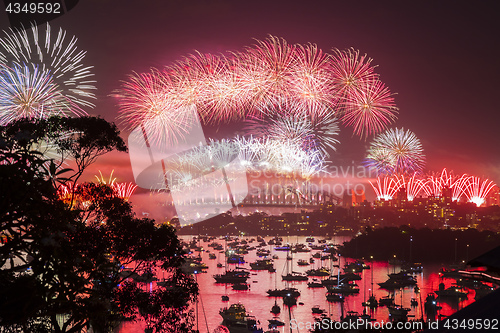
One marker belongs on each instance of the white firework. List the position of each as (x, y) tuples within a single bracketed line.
[(54, 55)]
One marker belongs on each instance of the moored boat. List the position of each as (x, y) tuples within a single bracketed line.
[(236, 319), (262, 264), (233, 276)]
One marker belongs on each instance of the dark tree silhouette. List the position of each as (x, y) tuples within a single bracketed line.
[(63, 260)]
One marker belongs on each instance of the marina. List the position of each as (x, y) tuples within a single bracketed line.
[(264, 294)]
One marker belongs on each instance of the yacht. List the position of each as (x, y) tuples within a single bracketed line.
[(344, 288), (454, 292), (283, 292), (294, 276), (236, 319), (233, 276), (398, 313), (334, 297), (302, 262), (262, 264), (318, 272)]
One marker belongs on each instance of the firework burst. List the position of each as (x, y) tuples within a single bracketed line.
[(276, 59), (369, 109), (310, 82), (145, 101), (350, 71), (122, 190), (29, 93), (396, 151), (459, 186), (250, 151), (289, 124), (51, 67), (436, 184), (270, 79)]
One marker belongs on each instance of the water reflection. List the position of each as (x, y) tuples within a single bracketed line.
[(260, 305)]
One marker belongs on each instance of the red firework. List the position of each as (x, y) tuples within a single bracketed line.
[(350, 71), (276, 59), (369, 109), (413, 186), (477, 189), (268, 74), (386, 188), (124, 190), (311, 83)]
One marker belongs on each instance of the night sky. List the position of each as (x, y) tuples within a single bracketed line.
[(442, 58)]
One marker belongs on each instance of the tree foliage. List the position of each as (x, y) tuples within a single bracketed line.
[(79, 262)]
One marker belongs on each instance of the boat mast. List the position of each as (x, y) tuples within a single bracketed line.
[(371, 257)]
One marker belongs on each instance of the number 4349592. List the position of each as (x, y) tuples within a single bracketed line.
[(34, 8)]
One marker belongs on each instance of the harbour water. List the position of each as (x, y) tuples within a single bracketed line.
[(259, 304)]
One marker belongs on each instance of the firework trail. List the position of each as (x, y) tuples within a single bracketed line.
[(40, 67), (386, 187), (101, 180), (122, 190), (413, 186), (476, 189), (435, 185), (459, 186)]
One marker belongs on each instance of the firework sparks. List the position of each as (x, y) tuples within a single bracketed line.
[(350, 71), (311, 83), (396, 151), (458, 187), (289, 124), (386, 187), (101, 180), (47, 74), (413, 186), (369, 109), (250, 151), (298, 89), (145, 101), (276, 59), (122, 190), (476, 189), (266, 78), (29, 93)]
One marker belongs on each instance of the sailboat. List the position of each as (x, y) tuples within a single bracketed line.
[(291, 275), (237, 275), (276, 308), (332, 296), (398, 312), (372, 300)]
